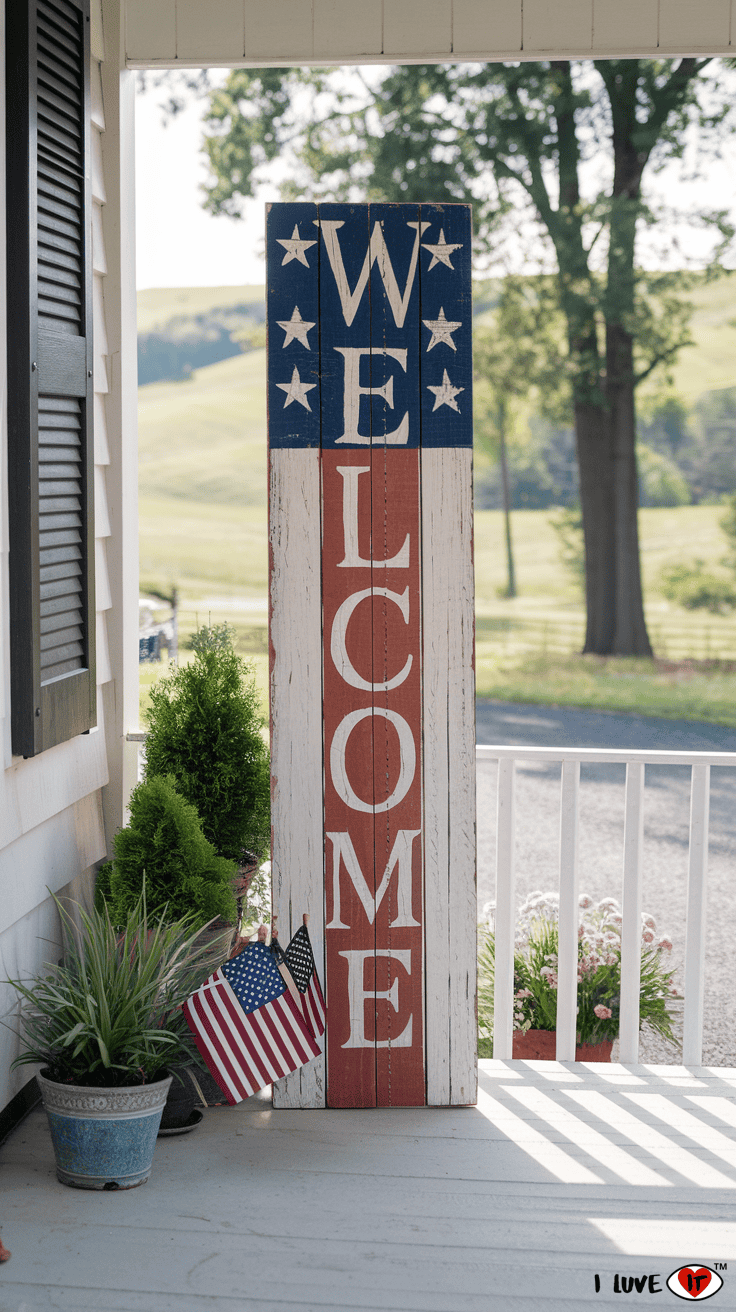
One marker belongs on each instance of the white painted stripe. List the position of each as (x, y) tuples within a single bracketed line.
[(214, 1022), (671, 1154), (263, 1043), (295, 540), (723, 1108), (448, 727)]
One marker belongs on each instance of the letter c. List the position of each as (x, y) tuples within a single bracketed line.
[(343, 664)]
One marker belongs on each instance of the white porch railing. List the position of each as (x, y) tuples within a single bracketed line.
[(694, 965)]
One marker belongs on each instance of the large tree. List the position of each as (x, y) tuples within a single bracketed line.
[(556, 148)]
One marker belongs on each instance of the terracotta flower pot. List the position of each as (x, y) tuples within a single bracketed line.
[(540, 1045)]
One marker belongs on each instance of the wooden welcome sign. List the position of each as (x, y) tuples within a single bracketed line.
[(371, 640)]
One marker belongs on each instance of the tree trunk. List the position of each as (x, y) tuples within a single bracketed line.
[(593, 435), (506, 491), (630, 637)]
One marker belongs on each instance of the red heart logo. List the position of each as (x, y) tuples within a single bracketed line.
[(694, 1281)]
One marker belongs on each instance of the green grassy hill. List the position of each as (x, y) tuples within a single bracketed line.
[(158, 305), (203, 526)]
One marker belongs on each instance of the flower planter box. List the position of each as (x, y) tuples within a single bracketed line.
[(540, 1045)]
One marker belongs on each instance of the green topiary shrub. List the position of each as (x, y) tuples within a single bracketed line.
[(204, 727), (164, 844)]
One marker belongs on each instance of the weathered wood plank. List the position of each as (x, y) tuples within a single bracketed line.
[(449, 775), (296, 721)]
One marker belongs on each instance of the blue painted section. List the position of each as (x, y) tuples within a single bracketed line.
[(388, 360), (446, 298), (292, 298), (395, 324), (92, 1152), (345, 316)]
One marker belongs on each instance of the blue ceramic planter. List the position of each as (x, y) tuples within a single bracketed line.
[(103, 1138)]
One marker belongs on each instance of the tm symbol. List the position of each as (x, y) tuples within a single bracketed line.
[(721, 1266)]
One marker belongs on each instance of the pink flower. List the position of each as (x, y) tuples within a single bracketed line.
[(584, 901), (603, 1013), (647, 936), (665, 943)]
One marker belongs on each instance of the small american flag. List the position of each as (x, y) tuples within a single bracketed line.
[(247, 1025), (300, 960)]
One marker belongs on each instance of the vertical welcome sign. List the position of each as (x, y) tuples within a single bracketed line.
[(371, 640)]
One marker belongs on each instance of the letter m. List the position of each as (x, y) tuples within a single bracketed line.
[(401, 852)]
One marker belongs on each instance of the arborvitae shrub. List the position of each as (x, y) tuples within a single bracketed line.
[(164, 842), (204, 727)]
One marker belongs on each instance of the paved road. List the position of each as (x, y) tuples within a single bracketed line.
[(667, 800)]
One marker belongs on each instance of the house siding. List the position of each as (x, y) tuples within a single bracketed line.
[(246, 32), (52, 833)]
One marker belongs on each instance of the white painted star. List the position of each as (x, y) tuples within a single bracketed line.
[(296, 328), (441, 250), (295, 247), (296, 390), (445, 395), (441, 330)]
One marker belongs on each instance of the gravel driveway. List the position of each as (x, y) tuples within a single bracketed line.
[(667, 804)]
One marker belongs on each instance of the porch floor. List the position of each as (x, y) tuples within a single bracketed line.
[(561, 1172)]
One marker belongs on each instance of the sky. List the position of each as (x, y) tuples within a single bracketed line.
[(180, 245), (177, 243)]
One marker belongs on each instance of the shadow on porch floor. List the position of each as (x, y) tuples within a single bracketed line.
[(561, 1172)]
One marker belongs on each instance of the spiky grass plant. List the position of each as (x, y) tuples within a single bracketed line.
[(109, 1014)]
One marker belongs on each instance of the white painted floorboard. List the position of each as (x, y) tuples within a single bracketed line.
[(559, 1173)]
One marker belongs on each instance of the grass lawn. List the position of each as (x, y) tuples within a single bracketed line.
[(203, 527)]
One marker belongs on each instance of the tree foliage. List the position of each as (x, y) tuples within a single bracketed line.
[(550, 151)]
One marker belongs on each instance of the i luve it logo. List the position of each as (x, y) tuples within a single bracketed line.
[(695, 1283)]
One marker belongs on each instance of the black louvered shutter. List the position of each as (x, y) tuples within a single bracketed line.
[(50, 455)]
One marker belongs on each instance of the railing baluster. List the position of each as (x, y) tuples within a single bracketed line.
[(631, 911), (567, 988), (697, 890), (503, 993)]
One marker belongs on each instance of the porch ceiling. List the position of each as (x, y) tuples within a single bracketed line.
[(199, 33), (561, 1172)]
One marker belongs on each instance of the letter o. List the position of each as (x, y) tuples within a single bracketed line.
[(407, 767)]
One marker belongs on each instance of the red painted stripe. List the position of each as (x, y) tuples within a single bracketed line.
[(226, 1041), (306, 1038), (213, 1052), (290, 1059), (258, 1059)]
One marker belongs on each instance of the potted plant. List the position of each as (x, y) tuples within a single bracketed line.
[(104, 1025), (204, 728), (599, 978)]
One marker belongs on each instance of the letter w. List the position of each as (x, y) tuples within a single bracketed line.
[(377, 250), (342, 848)]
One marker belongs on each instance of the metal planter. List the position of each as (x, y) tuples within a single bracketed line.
[(103, 1138)]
